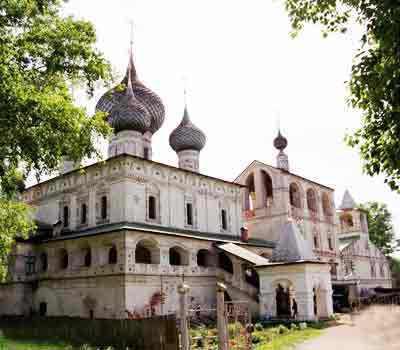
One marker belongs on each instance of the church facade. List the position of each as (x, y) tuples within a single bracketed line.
[(118, 237)]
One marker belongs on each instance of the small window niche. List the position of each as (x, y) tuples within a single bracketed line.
[(189, 214), (224, 220)]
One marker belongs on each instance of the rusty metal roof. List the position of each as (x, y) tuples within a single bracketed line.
[(243, 253)]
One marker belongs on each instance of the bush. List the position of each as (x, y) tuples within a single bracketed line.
[(282, 329), (258, 327), (255, 339), (293, 326)]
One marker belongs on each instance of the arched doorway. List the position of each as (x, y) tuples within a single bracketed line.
[(283, 307)]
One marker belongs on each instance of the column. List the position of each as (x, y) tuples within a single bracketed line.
[(305, 304), (92, 207), (221, 318), (183, 312)]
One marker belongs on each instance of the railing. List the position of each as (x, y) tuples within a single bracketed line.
[(238, 283)]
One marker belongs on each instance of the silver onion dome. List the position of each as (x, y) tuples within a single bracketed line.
[(187, 136), (280, 142), (129, 114), (144, 96)]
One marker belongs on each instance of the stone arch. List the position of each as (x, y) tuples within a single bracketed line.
[(147, 251), (84, 254), (225, 262), (295, 195), (178, 256), (205, 258), (267, 186), (312, 200), (112, 255), (250, 198)]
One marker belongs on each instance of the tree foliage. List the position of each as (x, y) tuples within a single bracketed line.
[(42, 54), (380, 227), (375, 79)]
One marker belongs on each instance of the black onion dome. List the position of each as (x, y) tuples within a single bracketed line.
[(280, 142), (129, 113), (147, 98), (187, 136)]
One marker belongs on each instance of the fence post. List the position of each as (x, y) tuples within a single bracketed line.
[(183, 311), (221, 318)]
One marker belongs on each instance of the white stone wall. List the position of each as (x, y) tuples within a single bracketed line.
[(127, 182)]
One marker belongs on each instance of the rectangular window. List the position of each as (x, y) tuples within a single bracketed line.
[(152, 207), (189, 214), (30, 265), (223, 220)]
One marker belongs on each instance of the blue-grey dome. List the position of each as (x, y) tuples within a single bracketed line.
[(187, 136), (144, 96)]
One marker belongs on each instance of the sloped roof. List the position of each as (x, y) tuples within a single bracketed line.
[(291, 245), (243, 253), (347, 202)]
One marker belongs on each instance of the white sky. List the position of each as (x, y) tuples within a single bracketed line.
[(243, 71)]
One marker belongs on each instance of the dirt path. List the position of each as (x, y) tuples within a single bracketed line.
[(377, 328)]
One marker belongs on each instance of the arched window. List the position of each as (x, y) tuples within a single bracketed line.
[(152, 207), (43, 262), (225, 263), (311, 200), (112, 255), (316, 240), (251, 276), (250, 200), (147, 252), (83, 214), (189, 214), (294, 192), (224, 221), (326, 205), (66, 216), (204, 258), (42, 309), (87, 257), (268, 189), (104, 208), (178, 256), (382, 271), (63, 256), (333, 268), (330, 243), (373, 274)]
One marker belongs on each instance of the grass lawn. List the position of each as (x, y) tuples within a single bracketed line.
[(285, 341), (8, 344)]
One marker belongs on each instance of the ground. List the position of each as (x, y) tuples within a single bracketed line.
[(375, 328)]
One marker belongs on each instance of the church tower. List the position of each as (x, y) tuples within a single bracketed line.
[(353, 221), (135, 112), (187, 140)]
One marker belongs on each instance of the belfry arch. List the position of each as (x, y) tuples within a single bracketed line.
[(250, 193), (267, 188)]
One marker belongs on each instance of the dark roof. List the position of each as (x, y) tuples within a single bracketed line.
[(136, 157), (283, 171), (134, 226), (292, 263)]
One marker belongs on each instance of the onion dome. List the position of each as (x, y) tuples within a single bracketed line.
[(187, 136), (280, 142), (129, 113), (144, 96)]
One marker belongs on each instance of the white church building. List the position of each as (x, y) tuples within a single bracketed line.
[(120, 235)]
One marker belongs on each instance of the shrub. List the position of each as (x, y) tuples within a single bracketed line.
[(258, 327), (282, 329), (255, 339), (293, 326)]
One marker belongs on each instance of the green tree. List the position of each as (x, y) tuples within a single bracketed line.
[(42, 54), (375, 78), (380, 226)]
